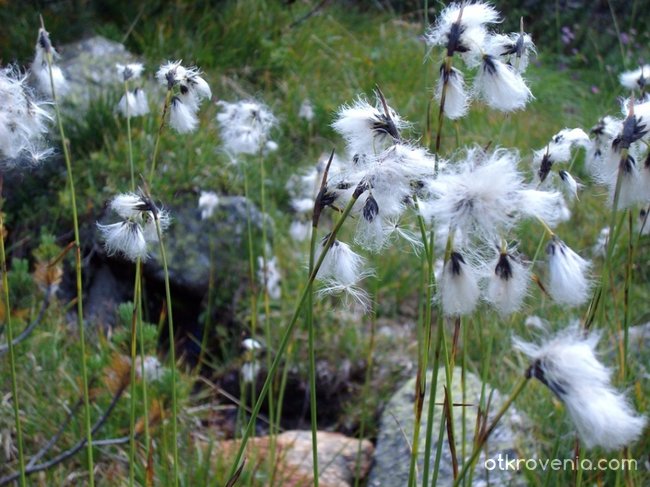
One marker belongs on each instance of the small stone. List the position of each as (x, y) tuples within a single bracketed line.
[(337, 457)]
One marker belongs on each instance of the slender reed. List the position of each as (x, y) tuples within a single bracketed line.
[(10, 344), (312, 356), (284, 341), (467, 465), (77, 244), (128, 132), (134, 321), (172, 350)]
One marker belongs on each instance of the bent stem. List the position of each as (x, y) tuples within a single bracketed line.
[(172, 351), (77, 244), (288, 331), (484, 437), (10, 340)]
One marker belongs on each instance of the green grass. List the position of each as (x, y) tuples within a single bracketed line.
[(250, 47)]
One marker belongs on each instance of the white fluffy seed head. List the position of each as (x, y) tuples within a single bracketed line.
[(182, 116), (341, 264), (514, 48), (479, 195), (245, 126), (567, 364), (636, 79), (500, 86), (368, 129), (456, 96), (208, 202), (129, 71), (458, 286), (461, 27), (507, 283), (569, 282), (270, 277), (125, 238)]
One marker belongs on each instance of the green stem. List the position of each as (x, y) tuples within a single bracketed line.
[(626, 294), (172, 351), (481, 441), (423, 359), (251, 266), (156, 146), (312, 358), (128, 133), (208, 310), (77, 243), (431, 410), (611, 243), (134, 320), (12, 357), (267, 308), (288, 331), (145, 395), (366, 388)]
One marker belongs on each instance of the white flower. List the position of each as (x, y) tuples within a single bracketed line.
[(269, 276), (508, 283), (126, 238), (130, 236), (24, 122), (559, 150), (182, 117), (636, 79), (568, 280), (299, 231), (570, 184), (153, 369), (456, 97), (41, 71), (461, 27), (251, 344), (600, 247), (500, 86), (129, 71), (548, 206), (480, 194), (341, 264), (515, 48), (352, 295), (245, 126), (459, 289), (136, 101), (208, 201), (141, 103), (367, 129), (306, 111), (567, 364), (249, 371)]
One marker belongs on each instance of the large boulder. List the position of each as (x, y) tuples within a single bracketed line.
[(89, 67), (392, 455)]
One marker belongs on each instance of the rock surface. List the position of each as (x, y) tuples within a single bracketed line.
[(391, 462), (89, 67), (337, 457)]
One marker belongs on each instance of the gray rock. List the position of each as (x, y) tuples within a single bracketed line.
[(392, 455), (89, 67), (189, 239)]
